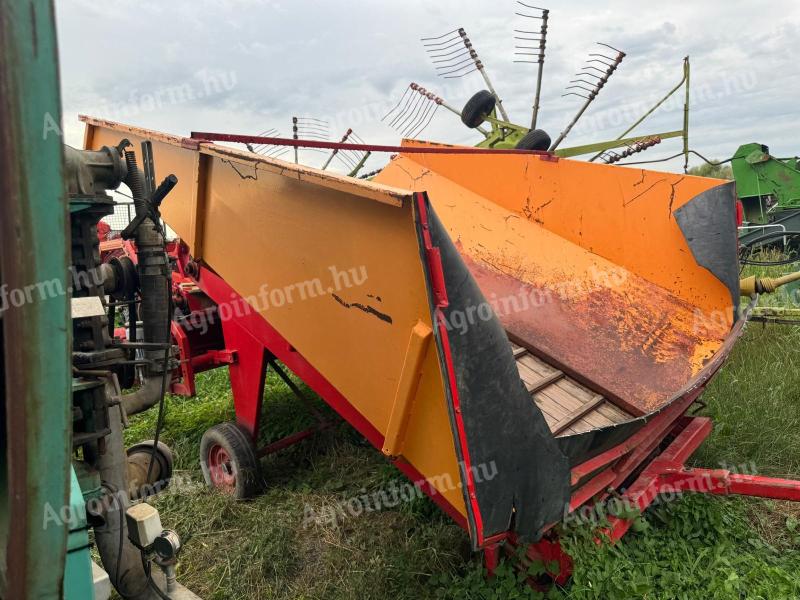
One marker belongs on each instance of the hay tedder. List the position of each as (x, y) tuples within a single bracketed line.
[(521, 334)]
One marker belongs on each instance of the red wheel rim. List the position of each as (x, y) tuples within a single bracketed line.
[(221, 470)]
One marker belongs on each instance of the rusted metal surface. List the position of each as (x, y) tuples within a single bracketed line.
[(637, 346), (600, 286)]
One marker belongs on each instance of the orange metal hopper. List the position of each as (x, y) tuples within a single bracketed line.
[(504, 317)]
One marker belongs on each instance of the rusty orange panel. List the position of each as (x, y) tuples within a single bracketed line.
[(603, 287), (623, 214)]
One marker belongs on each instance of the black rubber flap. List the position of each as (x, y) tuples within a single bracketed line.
[(708, 222), (520, 476)]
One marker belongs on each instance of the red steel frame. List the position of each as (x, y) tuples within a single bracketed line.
[(635, 472), (252, 343)]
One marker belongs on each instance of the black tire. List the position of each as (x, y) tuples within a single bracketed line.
[(477, 108), (535, 139), (229, 461)]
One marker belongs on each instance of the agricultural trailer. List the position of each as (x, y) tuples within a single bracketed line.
[(469, 311)]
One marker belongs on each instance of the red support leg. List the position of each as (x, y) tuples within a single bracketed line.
[(247, 374), (184, 387), (548, 554), (491, 558), (557, 562)]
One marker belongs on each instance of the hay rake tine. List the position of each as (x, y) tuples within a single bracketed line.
[(593, 91), (403, 97), (429, 106), (411, 114), (453, 45), (452, 75), (410, 122), (453, 64), (425, 121), (541, 38), (406, 107), (438, 37)]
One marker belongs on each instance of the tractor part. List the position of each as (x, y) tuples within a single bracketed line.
[(100, 361), (120, 558), (769, 190), (229, 461), (753, 285), (154, 280), (144, 480)]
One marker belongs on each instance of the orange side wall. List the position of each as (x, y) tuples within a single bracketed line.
[(622, 214)]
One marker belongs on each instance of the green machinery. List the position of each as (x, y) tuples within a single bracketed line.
[(454, 56), (769, 190)]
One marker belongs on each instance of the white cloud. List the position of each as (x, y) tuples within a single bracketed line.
[(351, 60)]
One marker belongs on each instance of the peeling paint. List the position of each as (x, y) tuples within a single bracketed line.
[(366, 308)]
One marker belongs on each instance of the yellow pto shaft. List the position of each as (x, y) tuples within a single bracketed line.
[(765, 285)]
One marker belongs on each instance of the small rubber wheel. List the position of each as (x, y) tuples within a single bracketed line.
[(535, 139), (477, 108), (229, 461)]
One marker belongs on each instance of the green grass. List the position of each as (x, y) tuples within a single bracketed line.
[(693, 548)]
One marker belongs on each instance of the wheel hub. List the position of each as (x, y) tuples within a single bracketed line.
[(220, 468)]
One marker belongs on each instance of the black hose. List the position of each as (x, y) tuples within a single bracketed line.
[(135, 181), (155, 290), (770, 235), (160, 420), (747, 248), (150, 582)]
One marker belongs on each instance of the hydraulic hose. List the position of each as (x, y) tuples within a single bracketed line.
[(154, 283)]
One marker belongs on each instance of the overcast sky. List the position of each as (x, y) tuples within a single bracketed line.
[(245, 66)]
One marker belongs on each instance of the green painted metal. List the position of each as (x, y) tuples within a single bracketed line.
[(505, 135), (33, 249), (683, 132), (765, 185), (78, 583), (603, 146)]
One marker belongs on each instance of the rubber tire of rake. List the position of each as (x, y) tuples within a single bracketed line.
[(477, 108), (236, 443), (535, 139)]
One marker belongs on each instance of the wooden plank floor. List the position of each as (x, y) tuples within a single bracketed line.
[(569, 407)]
